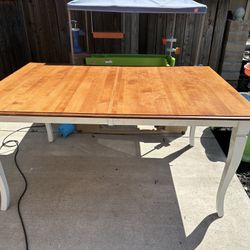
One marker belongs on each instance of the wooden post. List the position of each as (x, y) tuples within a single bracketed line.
[(219, 28), (28, 52), (247, 15), (134, 29)]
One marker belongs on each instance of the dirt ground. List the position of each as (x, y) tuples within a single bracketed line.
[(223, 137), (244, 176)]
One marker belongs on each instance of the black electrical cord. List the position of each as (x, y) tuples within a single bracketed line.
[(11, 144)]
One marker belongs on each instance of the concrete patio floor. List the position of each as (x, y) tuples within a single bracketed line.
[(121, 192)]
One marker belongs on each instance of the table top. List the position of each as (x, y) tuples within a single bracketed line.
[(194, 92)]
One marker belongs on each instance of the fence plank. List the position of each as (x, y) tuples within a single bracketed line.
[(179, 34), (127, 41), (160, 30), (152, 33), (143, 24), (208, 30), (220, 23), (14, 49), (188, 40), (134, 30), (63, 29), (247, 15)]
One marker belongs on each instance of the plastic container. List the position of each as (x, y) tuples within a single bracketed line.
[(65, 130), (130, 60), (247, 69), (246, 154), (75, 36)]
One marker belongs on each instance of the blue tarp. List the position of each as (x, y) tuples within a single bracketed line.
[(139, 6)]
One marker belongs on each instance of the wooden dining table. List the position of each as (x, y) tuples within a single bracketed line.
[(160, 96)]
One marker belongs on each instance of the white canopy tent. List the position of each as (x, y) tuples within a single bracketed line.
[(138, 6)]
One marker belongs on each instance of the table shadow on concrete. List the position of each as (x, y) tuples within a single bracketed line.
[(87, 195), (211, 146)]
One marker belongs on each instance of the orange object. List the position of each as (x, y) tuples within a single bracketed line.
[(108, 35), (164, 40), (184, 92), (177, 50), (247, 69)]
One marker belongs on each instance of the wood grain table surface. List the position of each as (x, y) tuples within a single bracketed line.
[(138, 92)]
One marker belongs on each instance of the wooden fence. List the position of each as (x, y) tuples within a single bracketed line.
[(37, 30), (14, 50)]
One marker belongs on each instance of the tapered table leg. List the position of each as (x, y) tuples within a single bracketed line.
[(49, 132), (236, 149), (191, 135)]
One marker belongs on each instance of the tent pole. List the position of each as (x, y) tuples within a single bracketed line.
[(173, 27), (71, 38), (197, 57), (87, 31), (91, 21), (123, 23), (172, 35)]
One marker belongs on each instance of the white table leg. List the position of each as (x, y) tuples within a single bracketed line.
[(236, 149), (191, 135), (49, 132), (4, 190)]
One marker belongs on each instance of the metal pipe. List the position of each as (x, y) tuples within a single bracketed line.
[(71, 38), (123, 23), (200, 40), (91, 22), (86, 32), (174, 23), (172, 35)]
